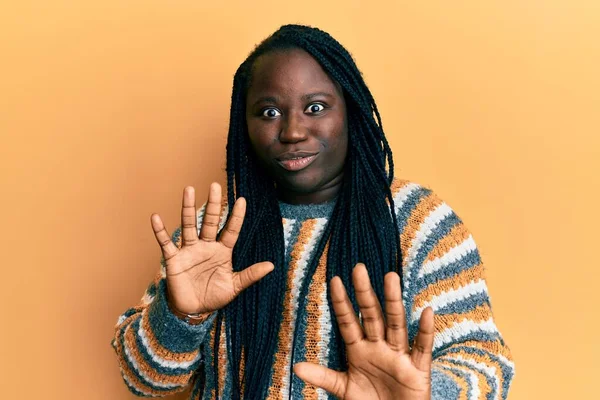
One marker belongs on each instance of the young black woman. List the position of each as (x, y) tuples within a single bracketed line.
[(315, 225)]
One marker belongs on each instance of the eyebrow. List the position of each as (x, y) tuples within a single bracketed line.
[(311, 96), (306, 97)]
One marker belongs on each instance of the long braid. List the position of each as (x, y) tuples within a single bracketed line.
[(362, 228)]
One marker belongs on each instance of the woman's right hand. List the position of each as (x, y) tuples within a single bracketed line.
[(200, 277)]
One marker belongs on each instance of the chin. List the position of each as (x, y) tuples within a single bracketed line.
[(300, 184)]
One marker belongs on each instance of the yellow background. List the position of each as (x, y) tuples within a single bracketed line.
[(109, 108)]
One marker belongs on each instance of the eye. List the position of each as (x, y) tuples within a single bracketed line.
[(270, 113), (315, 108)]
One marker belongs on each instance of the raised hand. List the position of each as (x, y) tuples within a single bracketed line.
[(200, 277), (380, 363)]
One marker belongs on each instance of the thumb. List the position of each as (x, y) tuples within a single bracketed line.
[(317, 375), (249, 276)]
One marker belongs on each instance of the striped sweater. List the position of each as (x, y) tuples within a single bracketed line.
[(160, 354)]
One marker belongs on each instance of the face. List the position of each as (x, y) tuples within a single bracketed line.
[(297, 124)]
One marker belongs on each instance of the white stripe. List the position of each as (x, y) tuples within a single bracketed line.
[(324, 332), (455, 254), (451, 296), (199, 216), (487, 370), (147, 299), (288, 225), (155, 357), (403, 194), (460, 329), (138, 369), (506, 361), (427, 226), (132, 385), (121, 319), (296, 283)]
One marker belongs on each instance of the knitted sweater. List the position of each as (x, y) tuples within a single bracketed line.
[(160, 354)]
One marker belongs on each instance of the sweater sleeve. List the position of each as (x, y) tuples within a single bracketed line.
[(442, 269), (157, 352)]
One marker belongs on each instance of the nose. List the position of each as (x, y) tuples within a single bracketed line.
[(292, 129)]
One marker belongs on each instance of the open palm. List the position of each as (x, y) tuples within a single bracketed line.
[(381, 365), (200, 277)]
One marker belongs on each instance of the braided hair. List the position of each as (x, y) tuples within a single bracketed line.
[(362, 228)]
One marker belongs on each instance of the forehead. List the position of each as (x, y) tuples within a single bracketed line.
[(289, 71)]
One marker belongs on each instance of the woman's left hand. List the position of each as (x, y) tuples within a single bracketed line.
[(381, 364)]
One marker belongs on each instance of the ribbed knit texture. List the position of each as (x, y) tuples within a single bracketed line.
[(159, 354)]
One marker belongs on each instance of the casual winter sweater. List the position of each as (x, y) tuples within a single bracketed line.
[(159, 354)]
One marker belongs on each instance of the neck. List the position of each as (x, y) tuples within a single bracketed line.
[(323, 194)]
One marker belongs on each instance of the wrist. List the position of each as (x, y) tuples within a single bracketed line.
[(192, 319)]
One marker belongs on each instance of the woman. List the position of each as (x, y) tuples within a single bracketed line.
[(243, 305)]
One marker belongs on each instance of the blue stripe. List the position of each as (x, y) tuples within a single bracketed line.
[(470, 260), (442, 386), (411, 202), (437, 233), (480, 336), (465, 305), (490, 381), (463, 375), (131, 367), (207, 350), (134, 390), (148, 359), (128, 313), (507, 372), (172, 333)]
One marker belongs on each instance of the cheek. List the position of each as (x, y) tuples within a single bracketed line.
[(261, 137), (337, 140)]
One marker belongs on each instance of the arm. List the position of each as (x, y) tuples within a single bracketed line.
[(158, 353), (442, 269)]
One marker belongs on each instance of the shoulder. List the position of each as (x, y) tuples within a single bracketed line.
[(419, 209)]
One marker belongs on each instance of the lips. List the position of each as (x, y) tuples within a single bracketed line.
[(296, 161)]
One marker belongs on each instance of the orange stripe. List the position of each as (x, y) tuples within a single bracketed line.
[(313, 325), (479, 314), (494, 347), (146, 368), (422, 210), (128, 320), (395, 187), (285, 332), (460, 381), (159, 350), (485, 359), (484, 387), (222, 359), (133, 378), (457, 235), (462, 279), (241, 374)]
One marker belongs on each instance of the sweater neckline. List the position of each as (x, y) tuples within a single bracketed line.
[(306, 211)]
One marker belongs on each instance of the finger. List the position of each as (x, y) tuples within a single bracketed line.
[(168, 248), (317, 375), (231, 231), (249, 276), (396, 332), (344, 313), (212, 214), (423, 346), (370, 309), (189, 229)]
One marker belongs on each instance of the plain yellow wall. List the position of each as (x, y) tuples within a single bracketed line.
[(109, 108)]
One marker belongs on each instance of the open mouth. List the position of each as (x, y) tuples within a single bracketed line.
[(297, 163)]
